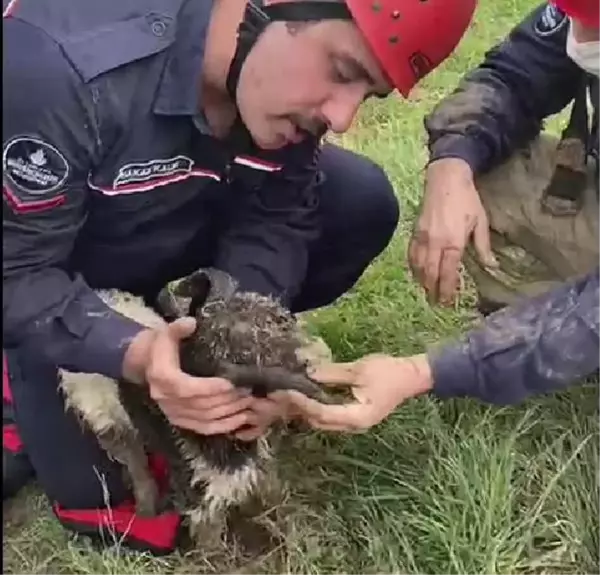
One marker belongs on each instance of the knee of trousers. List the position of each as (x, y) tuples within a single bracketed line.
[(358, 201), (363, 222), (377, 207), (71, 467)]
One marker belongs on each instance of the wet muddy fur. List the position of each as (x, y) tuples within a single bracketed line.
[(248, 338)]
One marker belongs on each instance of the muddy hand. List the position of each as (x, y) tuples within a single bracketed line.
[(451, 215), (379, 384)]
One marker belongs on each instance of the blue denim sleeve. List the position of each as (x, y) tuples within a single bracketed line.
[(541, 345), (50, 142), (501, 105)]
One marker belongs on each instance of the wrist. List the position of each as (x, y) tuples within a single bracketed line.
[(423, 376), (137, 356), (451, 167)]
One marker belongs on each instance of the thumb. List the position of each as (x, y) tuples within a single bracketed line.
[(334, 373), (182, 328), (481, 241)]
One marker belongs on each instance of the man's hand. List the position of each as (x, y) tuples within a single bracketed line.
[(380, 383), (451, 215), (265, 412), (206, 405)]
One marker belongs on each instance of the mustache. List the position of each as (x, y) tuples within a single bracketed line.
[(312, 126)]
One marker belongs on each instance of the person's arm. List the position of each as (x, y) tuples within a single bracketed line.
[(501, 105), (541, 345), (266, 244), (544, 344), (51, 137)]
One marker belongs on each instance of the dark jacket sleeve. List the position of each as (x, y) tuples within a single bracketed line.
[(544, 344), (50, 140), (500, 106), (266, 244)]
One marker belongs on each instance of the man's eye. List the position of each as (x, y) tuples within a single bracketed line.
[(340, 77)]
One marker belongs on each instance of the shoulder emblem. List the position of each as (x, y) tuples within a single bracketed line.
[(550, 21), (34, 166), (34, 174)]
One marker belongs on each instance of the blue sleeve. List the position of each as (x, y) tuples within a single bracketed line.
[(266, 244), (501, 105), (50, 138), (541, 345)]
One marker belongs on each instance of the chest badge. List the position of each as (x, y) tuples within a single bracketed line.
[(153, 169)]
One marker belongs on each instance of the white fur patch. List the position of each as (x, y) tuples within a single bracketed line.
[(223, 488), (131, 306), (95, 398)]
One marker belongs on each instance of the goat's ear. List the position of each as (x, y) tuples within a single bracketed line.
[(222, 286), (181, 298), (167, 306)]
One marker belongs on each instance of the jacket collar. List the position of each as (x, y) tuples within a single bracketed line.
[(179, 89)]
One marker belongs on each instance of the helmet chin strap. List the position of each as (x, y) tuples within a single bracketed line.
[(252, 26), (257, 17)]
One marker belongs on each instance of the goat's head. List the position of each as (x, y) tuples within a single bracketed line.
[(249, 339)]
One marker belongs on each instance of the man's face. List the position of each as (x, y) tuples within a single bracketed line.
[(583, 46), (310, 78), (583, 33)]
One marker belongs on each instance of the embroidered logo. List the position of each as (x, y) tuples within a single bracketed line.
[(146, 171), (34, 166), (550, 21)]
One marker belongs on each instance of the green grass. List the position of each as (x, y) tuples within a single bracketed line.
[(455, 487)]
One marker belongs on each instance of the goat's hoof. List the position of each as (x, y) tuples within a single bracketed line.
[(209, 540), (253, 536), (255, 526)]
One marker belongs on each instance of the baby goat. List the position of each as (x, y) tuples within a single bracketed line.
[(244, 337)]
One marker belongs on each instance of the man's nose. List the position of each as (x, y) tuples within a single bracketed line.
[(339, 110)]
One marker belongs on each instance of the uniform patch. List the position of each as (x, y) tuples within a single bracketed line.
[(550, 21), (34, 166), (146, 171)]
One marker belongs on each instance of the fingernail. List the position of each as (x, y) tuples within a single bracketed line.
[(493, 262)]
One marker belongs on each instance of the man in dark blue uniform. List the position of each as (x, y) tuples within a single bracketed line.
[(145, 139), (531, 204), (528, 200)]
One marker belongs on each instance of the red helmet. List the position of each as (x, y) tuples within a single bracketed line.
[(410, 38), (585, 11)]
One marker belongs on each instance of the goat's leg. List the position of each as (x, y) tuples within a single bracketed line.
[(207, 530), (260, 523), (95, 399), (248, 498), (123, 445), (256, 524), (218, 492)]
